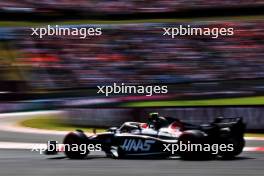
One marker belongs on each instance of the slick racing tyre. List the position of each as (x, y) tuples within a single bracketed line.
[(72, 143), (193, 137), (237, 143)]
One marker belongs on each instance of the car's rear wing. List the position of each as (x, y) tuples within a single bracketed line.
[(228, 120), (235, 124)]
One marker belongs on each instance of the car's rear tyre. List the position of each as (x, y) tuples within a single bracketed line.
[(237, 146), (72, 141), (189, 138)]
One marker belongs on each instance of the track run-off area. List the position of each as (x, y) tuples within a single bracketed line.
[(16, 158)]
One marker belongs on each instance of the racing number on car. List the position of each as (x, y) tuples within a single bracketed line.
[(137, 145)]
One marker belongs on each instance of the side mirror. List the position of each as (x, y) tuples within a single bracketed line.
[(112, 129)]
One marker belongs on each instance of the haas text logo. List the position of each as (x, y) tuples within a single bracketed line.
[(137, 145)]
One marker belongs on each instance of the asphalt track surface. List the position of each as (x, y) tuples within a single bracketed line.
[(23, 162)]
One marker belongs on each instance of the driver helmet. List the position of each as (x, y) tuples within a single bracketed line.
[(153, 116)]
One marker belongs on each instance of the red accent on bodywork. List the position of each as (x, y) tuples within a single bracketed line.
[(176, 126), (144, 125)]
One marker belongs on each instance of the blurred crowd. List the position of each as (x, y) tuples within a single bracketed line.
[(137, 53), (118, 6)]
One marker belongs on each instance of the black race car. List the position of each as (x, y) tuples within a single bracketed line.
[(140, 140)]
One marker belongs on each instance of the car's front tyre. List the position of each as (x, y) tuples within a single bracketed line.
[(72, 143)]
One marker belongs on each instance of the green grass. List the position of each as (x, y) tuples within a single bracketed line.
[(72, 22), (51, 123), (205, 102), (254, 135)]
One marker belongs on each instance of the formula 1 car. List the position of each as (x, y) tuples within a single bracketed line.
[(137, 140)]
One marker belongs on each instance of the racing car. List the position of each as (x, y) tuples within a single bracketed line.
[(142, 140)]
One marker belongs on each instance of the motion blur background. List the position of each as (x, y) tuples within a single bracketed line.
[(118, 7), (60, 72), (50, 84)]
